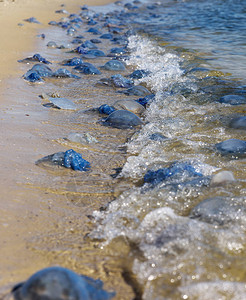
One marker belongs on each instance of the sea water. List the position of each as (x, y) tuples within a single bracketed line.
[(193, 52)]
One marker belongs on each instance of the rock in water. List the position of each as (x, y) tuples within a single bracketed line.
[(232, 147), (238, 123), (75, 61), (40, 70), (120, 81), (114, 65), (130, 105), (137, 90), (82, 138), (157, 136), (88, 69), (64, 73), (57, 283), (218, 210), (122, 119), (69, 159), (146, 100), (233, 99), (138, 74), (177, 172), (222, 178)]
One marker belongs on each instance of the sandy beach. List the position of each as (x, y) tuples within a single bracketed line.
[(41, 224)]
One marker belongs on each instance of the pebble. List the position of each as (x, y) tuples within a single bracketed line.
[(137, 90), (114, 65), (122, 119), (221, 178), (238, 123), (232, 147), (130, 105), (217, 210)]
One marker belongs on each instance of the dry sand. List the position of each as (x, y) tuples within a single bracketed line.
[(29, 216)]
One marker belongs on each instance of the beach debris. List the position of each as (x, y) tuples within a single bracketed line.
[(69, 159), (60, 283)]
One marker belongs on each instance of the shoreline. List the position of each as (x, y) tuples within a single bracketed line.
[(32, 212)]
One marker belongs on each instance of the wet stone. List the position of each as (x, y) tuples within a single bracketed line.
[(69, 159), (177, 172), (76, 41), (233, 100), (217, 210), (146, 100), (75, 161), (88, 69), (222, 178), (60, 283), (118, 50), (232, 147), (107, 36), (64, 73), (92, 22), (36, 57), (130, 105), (82, 138), (137, 90), (138, 74), (76, 61), (238, 123), (89, 45), (33, 77), (122, 119), (62, 103), (39, 69), (95, 41), (71, 31), (96, 53), (52, 44), (106, 109), (121, 81), (157, 137), (114, 65), (94, 31)]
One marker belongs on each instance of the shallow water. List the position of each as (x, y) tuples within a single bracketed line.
[(142, 240)]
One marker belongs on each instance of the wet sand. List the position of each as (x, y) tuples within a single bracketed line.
[(44, 214)]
